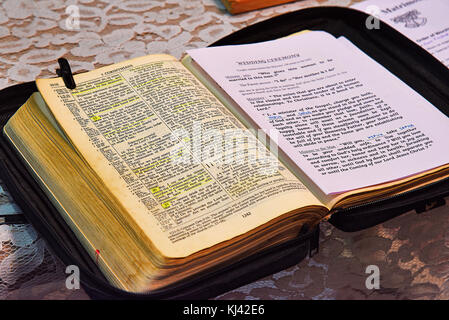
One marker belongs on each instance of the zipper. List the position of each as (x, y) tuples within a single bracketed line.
[(403, 194), (13, 219)]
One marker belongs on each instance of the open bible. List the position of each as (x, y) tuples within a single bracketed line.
[(167, 169)]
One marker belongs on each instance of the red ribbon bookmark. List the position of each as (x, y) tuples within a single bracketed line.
[(97, 254)]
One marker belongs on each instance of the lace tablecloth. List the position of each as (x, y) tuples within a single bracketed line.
[(411, 251)]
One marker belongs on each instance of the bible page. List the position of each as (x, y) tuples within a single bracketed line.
[(344, 120)]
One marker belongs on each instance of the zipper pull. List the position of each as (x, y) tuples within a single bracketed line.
[(12, 219), (429, 205)]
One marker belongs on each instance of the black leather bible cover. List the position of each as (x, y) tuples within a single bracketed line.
[(402, 57)]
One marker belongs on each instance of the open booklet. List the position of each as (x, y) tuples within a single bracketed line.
[(164, 169)]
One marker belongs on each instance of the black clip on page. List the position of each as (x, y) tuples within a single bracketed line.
[(66, 73)]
